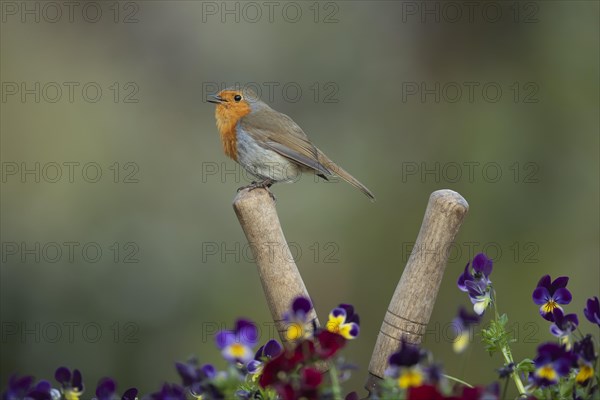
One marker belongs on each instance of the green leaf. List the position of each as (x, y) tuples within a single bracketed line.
[(495, 337), (503, 320), (527, 365), (566, 388)]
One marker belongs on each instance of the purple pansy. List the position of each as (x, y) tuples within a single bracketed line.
[(549, 294), (196, 379), (552, 362), (299, 325), (265, 353), (23, 388), (477, 284), (506, 370), (408, 356), (404, 366), (106, 390), (482, 268), (586, 357), (168, 392), (42, 391), (17, 387), (592, 310), (343, 321), (237, 345), (71, 383), (563, 324), (193, 374), (463, 323), (130, 394)]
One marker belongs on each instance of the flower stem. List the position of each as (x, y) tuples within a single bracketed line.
[(504, 389), (335, 383), (508, 358), (450, 377)]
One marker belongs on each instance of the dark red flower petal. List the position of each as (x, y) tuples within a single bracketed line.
[(329, 344), (471, 393), (424, 392), (286, 362), (352, 396), (311, 377), (286, 392)]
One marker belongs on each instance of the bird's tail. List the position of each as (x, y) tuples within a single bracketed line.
[(339, 171)]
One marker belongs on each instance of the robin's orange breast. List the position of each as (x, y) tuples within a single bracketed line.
[(227, 122), (229, 142)]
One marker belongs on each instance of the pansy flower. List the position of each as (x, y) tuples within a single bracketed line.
[(482, 269), (343, 321), (23, 388), (563, 325), (586, 353), (592, 310), (43, 391), (106, 390), (193, 375), (168, 392), (298, 322), (506, 370), (265, 353), (404, 366), (72, 383), (463, 323), (552, 362), (191, 371), (549, 294), (477, 283), (17, 387), (237, 345)]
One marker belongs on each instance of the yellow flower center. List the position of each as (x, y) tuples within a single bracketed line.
[(585, 372), (550, 306), (333, 326), (410, 378), (294, 331), (461, 342), (547, 372), (256, 375), (72, 394), (237, 350)]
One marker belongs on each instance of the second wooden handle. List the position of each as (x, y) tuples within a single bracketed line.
[(412, 303)]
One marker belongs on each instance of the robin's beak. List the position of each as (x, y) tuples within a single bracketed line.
[(214, 98)]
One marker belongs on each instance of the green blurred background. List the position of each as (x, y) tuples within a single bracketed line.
[(357, 64)]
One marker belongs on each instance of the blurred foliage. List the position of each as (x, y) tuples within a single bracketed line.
[(177, 296)]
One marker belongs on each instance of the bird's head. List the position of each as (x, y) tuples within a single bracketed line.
[(233, 104)]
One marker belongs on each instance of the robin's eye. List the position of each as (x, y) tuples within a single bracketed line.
[(237, 97)]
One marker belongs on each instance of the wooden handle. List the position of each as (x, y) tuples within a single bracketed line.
[(412, 303), (278, 273)]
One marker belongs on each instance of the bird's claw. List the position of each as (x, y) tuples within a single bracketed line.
[(265, 184)]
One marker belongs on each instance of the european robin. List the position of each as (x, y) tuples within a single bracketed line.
[(269, 144)]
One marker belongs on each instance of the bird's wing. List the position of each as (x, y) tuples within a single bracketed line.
[(281, 134)]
